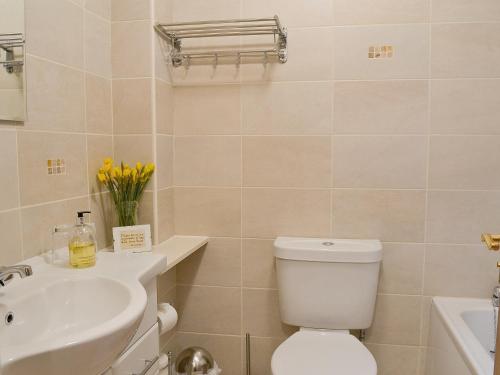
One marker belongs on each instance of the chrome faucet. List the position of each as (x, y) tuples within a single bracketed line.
[(7, 273), (495, 298)]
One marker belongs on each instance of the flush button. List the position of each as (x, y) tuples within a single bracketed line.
[(328, 243)]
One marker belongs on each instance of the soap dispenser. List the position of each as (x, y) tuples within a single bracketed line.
[(82, 245)]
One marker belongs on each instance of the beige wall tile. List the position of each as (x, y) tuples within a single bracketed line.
[(208, 211), (410, 59), (100, 7), (208, 161), (396, 321), (389, 215), (130, 49), (310, 52), (37, 186), (195, 10), (132, 107), (261, 315), (402, 268), (38, 222), (209, 309), (294, 13), (391, 359), (380, 162), (462, 162), (164, 10), (465, 11), (426, 317), (262, 349), (268, 213), (164, 160), (126, 10), (164, 108), (259, 269), (165, 214), (207, 110), (55, 96), (99, 147), (217, 264), (97, 45), (226, 350), (10, 230), (461, 216), (460, 271), (381, 107), (99, 111), (287, 161), (465, 106), (133, 148), (465, 50), (9, 183), (287, 108), (366, 12), (54, 30), (166, 282), (145, 214)]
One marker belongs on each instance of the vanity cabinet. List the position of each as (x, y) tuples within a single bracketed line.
[(141, 355)]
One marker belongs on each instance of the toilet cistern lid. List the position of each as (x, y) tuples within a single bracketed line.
[(328, 250), (322, 352)]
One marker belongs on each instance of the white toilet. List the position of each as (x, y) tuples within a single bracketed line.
[(326, 287)]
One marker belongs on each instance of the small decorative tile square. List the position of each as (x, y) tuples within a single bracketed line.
[(56, 167), (380, 52)]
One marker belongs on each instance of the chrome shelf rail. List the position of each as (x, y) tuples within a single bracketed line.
[(275, 49), (8, 42)]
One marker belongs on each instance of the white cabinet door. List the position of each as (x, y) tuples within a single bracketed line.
[(140, 356)]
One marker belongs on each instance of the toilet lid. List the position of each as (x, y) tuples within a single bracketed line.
[(322, 353)]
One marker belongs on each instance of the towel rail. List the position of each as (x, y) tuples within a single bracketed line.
[(174, 33)]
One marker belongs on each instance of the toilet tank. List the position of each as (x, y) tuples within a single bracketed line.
[(327, 283)]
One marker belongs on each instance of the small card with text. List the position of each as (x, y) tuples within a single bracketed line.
[(135, 239)]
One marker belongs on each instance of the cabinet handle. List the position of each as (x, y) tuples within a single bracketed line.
[(149, 363)]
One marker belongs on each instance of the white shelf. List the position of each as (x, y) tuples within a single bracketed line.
[(178, 248)]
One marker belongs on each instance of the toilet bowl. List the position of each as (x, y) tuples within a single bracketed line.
[(322, 352), (328, 286)]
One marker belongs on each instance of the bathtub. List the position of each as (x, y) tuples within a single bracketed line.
[(461, 334)]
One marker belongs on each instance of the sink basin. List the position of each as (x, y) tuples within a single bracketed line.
[(60, 326)]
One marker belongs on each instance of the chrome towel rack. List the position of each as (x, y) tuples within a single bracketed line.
[(8, 42), (275, 49)]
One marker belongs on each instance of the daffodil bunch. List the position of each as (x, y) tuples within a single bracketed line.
[(126, 185)]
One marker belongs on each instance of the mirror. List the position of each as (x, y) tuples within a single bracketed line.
[(12, 70)]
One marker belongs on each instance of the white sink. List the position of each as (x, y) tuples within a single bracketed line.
[(66, 324)]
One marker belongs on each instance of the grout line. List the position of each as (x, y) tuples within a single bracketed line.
[(154, 122), (20, 218), (426, 209), (80, 70)]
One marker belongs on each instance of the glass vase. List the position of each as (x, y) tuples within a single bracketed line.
[(127, 213)]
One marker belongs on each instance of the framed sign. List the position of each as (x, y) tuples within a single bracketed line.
[(135, 239)]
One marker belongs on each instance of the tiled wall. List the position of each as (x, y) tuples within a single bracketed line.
[(143, 114), (68, 67), (142, 104), (333, 143)]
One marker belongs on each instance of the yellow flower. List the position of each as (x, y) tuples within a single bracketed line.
[(116, 172), (134, 175), (108, 161), (138, 166), (107, 167), (102, 177), (126, 172), (149, 169)]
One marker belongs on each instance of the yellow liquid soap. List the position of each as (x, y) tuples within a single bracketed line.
[(82, 254)]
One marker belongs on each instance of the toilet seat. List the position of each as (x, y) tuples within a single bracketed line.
[(323, 353)]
